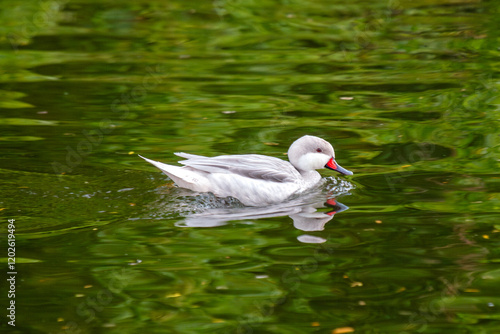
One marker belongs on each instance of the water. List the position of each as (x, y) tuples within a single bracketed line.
[(406, 91)]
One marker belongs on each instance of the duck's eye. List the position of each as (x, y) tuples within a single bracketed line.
[(319, 150)]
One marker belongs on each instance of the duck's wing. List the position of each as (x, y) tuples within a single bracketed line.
[(253, 166)]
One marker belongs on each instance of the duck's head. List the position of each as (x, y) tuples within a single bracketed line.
[(310, 153)]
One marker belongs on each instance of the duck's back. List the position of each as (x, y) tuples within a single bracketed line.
[(253, 166)]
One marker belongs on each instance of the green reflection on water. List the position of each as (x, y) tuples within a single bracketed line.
[(406, 91)]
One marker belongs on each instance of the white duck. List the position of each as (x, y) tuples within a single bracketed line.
[(255, 180)]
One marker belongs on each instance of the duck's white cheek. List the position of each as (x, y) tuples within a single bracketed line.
[(311, 161)]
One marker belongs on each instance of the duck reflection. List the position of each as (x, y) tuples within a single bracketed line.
[(305, 213), (310, 219)]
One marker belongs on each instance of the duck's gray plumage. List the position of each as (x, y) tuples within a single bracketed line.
[(254, 166)]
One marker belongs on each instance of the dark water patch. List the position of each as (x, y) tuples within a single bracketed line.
[(327, 88), (87, 43), (248, 89), (409, 153), (253, 68), (92, 67), (321, 68), (412, 115)]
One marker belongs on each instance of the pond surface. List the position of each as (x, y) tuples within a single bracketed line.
[(407, 92)]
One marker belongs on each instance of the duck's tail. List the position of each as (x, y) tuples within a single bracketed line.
[(182, 176)]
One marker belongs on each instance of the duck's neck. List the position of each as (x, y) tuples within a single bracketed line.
[(310, 176)]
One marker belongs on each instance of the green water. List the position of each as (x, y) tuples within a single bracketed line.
[(407, 92)]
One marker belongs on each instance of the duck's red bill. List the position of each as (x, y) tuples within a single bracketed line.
[(333, 165), (331, 201)]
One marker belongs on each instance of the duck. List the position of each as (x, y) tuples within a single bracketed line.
[(254, 179)]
